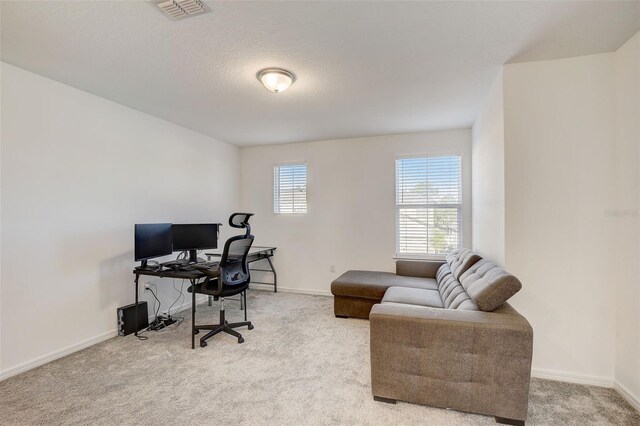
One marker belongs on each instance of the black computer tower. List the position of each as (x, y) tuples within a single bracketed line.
[(126, 318)]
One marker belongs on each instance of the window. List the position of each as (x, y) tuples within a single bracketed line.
[(428, 205), (290, 189)]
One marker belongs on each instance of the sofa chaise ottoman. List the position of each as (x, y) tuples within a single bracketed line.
[(356, 292), (443, 335)]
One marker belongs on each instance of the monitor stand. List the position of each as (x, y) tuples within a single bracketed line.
[(193, 256), (145, 267)]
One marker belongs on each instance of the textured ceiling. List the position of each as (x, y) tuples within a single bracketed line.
[(363, 68)]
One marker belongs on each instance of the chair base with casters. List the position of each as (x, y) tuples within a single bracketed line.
[(224, 325)]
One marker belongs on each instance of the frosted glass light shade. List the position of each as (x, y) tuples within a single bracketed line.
[(275, 79)]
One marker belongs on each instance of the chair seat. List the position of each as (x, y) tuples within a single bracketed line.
[(211, 288)]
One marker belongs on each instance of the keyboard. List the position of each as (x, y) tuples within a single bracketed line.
[(175, 264), (184, 265), (206, 265)]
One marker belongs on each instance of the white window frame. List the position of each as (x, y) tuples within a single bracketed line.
[(276, 188), (460, 207)]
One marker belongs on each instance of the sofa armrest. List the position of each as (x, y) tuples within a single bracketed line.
[(418, 268), (467, 360)]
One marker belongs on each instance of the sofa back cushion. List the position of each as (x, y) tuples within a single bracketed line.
[(488, 285), (460, 261), (451, 291)]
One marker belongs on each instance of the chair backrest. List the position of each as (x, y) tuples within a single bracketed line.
[(234, 269)]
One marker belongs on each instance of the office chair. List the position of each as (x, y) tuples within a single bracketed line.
[(231, 277)]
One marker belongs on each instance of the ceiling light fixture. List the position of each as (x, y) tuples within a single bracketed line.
[(276, 79)]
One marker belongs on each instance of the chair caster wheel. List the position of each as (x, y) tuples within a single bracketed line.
[(196, 332), (250, 327), (240, 340), (203, 344)]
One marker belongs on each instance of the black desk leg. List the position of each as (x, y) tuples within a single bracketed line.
[(275, 276), (135, 316), (193, 314)]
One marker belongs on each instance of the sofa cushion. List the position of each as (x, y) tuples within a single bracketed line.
[(443, 271), (453, 295), (418, 268), (413, 296), (461, 260), (488, 285), (372, 285)]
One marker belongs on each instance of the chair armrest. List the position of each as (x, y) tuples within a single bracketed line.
[(468, 360), (211, 273), (418, 268), (207, 286)]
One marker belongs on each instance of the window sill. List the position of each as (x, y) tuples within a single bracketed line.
[(434, 257)]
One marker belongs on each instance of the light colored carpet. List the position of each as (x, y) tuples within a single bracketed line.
[(299, 366)]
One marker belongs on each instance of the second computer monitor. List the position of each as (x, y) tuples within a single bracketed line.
[(194, 237)]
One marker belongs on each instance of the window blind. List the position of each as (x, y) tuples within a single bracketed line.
[(290, 189), (428, 205)]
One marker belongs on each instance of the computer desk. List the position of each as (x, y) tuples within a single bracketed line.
[(257, 253), (193, 277)]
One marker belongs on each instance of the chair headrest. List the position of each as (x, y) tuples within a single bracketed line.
[(240, 220)]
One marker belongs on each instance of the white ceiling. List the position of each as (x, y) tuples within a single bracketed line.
[(363, 68)]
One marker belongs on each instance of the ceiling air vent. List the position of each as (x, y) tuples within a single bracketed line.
[(181, 9)]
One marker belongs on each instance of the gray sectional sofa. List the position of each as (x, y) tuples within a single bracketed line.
[(443, 335)]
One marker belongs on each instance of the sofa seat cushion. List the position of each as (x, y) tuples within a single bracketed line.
[(413, 296), (372, 285), (489, 285)]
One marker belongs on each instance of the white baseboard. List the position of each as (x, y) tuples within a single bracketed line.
[(256, 286), (562, 376), (634, 400), (37, 362)]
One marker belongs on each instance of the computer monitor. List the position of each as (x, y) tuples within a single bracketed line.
[(194, 237), (152, 240)]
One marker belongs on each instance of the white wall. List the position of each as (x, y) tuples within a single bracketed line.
[(627, 79), (351, 203), (559, 180), (77, 172), (556, 147), (487, 169)]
